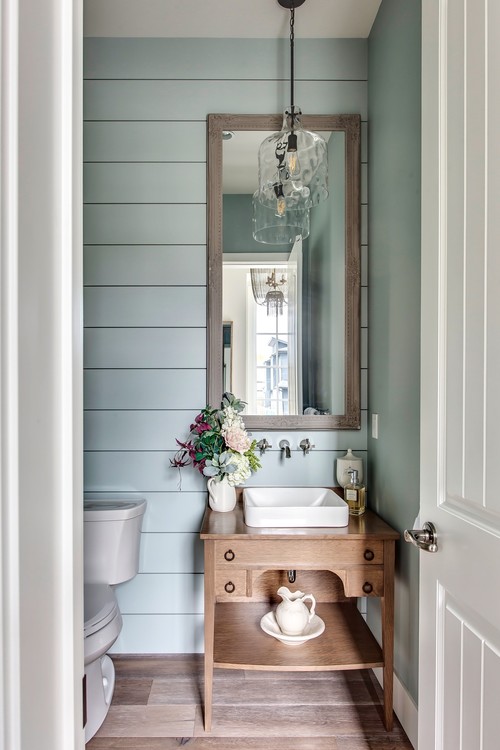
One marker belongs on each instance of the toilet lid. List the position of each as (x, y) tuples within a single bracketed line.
[(113, 509), (100, 606)]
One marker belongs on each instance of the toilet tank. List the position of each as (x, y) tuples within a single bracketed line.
[(112, 533)]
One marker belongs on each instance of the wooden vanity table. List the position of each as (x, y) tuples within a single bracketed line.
[(245, 566)]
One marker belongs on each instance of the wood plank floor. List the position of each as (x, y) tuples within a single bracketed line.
[(157, 705)]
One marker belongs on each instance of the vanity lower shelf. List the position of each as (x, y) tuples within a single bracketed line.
[(346, 643)]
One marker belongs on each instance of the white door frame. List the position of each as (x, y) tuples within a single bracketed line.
[(41, 444)]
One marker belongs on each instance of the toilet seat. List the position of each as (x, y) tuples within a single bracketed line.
[(100, 607)]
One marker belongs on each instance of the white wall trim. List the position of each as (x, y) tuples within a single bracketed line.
[(41, 404), (10, 708), (404, 707)]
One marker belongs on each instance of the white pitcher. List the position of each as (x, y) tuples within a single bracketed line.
[(291, 614), (221, 496)]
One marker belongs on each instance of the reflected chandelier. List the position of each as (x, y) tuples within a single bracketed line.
[(293, 164), (269, 290)]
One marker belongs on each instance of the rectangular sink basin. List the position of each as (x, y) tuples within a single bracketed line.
[(285, 507)]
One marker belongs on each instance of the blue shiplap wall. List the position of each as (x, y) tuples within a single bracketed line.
[(146, 102)]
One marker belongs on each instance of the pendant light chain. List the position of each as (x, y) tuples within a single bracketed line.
[(293, 168), (292, 75)]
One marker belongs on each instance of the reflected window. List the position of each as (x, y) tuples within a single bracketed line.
[(261, 300)]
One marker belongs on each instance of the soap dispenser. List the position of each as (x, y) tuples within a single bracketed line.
[(346, 462), (355, 495)]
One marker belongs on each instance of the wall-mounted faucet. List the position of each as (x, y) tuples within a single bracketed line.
[(285, 448), (305, 445), (263, 445)]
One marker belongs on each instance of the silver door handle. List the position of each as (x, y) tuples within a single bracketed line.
[(425, 538)]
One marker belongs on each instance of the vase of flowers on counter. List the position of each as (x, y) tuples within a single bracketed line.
[(220, 448)]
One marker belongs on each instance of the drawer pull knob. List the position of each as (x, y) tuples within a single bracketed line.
[(229, 587), (229, 555), (369, 554), (367, 588)]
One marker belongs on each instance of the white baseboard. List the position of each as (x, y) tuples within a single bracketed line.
[(404, 708)]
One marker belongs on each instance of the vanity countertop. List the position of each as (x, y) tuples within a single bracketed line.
[(231, 525)]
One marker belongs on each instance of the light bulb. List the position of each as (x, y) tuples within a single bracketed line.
[(280, 206), (280, 199), (293, 163), (292, 156)]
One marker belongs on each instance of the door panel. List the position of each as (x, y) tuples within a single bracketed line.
[(460, 414), (468, 649)]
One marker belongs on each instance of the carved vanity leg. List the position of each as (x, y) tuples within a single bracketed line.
[(387, 604), (209, 630)]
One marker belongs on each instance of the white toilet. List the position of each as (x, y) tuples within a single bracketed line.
[(112, 531)]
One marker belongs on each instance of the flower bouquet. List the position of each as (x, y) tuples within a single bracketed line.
[(219, 447)]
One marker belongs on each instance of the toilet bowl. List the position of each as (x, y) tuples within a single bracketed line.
[(111, 556), (103, 623)]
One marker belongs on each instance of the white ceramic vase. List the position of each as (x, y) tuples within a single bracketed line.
[(221, 496)]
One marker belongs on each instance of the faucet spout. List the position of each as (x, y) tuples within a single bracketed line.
[(284, 446)]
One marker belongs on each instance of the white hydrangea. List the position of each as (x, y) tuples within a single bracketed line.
[(231, 419), (242, 471)]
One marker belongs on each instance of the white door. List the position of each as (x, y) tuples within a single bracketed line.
[(459, 672)]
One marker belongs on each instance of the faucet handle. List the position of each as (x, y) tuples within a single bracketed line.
[(305, 445), (263, 445)]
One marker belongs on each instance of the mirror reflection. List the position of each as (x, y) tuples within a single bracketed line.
[(289, 312), (286, 301)]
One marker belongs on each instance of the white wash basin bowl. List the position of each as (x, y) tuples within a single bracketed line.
[(285, 507)]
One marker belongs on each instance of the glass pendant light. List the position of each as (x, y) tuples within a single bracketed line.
[(271, 228), (293, 164)]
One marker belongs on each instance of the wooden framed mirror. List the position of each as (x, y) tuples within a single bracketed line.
[(299, 372)]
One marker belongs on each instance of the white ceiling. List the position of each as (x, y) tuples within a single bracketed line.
[(228, 18)]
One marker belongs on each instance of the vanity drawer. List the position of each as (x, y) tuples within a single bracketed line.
[(368, 581), (230, 584), (319, 554)]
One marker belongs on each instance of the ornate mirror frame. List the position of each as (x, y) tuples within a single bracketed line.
[(351, 126)]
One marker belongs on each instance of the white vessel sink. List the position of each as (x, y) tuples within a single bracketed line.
[(278, 507)]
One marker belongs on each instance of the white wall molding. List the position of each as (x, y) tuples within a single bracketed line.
[(404, 707), (41, 540), (10, 708)]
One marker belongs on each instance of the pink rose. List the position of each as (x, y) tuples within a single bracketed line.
[(237, 439)]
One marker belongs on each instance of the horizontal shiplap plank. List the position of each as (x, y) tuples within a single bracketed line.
[(144, 224), (157, 430), (364, 265), (317, 469), (144, 389), (160, 634), (364, 141), (193, 100), (135, 471), (208, 58), (364, 389), (162, 593), (144, 141), (136, 430), (364, 225), (130, 306), (165, 511), (364, 183), (364, 348), (171, 553), (145, 347), (364, 307), (144, 265), (144, 183)]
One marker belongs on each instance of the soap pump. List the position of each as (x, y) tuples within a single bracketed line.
[(344, 463), (355, 494)]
